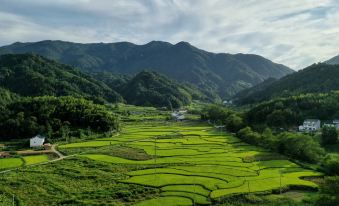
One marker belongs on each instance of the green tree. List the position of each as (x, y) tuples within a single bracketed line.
[(329, 135), (249, 136), (64, 130), (268, 139), (234, 123), (331, 164), (300, 146)]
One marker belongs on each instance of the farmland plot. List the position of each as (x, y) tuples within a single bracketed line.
[(196, 164)]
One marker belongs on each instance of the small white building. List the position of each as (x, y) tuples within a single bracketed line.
[(37, 141), (329, 125), (178, 116), (336, 123), (182, 111), (310, 125), (227, 102)]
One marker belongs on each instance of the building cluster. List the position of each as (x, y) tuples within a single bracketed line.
[(312, 125)]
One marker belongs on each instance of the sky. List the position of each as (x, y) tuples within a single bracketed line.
[(296, 33)]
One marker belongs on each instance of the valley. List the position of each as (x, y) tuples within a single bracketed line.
[(169, 103), (152, 161)]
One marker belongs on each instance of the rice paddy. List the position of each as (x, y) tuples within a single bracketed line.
[(35, 159), (7, 163), (15, 162), (195, 164)]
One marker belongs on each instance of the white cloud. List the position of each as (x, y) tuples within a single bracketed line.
[(295, 33)]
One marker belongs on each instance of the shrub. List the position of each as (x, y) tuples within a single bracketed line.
[(329, 192)]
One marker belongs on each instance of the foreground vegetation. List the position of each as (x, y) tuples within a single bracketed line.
[(71, 182)]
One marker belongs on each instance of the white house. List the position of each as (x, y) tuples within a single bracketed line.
[(336, 123), (227, 102), (329, 125), (178, 116), (310, 125), (37, 141)]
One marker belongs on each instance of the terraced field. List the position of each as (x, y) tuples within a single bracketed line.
[(193, 163), (8, 163)]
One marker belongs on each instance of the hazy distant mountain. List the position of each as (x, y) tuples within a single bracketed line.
[(224, 74), (317, 78), (334, 60)]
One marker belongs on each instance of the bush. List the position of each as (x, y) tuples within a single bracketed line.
[(249, 136), (329, 192)]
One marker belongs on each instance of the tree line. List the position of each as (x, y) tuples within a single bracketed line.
[(300, 146), (54, 117)]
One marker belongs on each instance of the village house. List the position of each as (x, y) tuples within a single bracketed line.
[(37, 141), (178, 116), (336, 123), (310, 125), (227, 102)]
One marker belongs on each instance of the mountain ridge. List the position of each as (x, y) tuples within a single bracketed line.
[(34, 75), (222, 73), (317, 78), (333, 60)]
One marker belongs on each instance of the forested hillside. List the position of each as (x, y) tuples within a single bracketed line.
[(291, 111), (7, 97), (223, 74), (149, 88), (54, 117), (33, 75), (318, 78)]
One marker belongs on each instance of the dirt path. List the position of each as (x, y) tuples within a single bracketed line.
[(53, 150), (61, 156)]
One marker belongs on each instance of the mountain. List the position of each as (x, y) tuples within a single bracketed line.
[(150, 88), (33, 75), (334, 60), (223, 74), (317, 78)]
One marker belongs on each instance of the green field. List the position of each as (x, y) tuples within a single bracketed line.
[(179, 164), (8, 163), (35, 159), (193, 162)]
